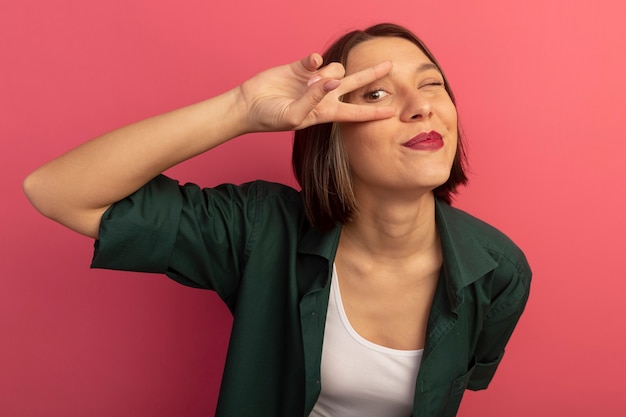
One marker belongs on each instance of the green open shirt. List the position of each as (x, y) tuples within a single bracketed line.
[(253, 245)]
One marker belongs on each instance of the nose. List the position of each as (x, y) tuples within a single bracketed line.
[(416, 107)]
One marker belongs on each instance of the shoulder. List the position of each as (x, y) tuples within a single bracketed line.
[(268, 206), (463, 225), (470, 234), (275, 192), (262, 195), (253, 203), (253, 192)]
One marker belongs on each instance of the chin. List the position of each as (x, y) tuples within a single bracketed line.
[(435, 180)]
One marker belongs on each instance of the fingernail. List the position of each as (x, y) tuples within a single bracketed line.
[(331, 85), (314, 79)]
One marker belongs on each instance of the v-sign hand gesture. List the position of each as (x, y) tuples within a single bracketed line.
[(302, 94)]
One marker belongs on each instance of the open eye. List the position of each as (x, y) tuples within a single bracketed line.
[(375, 95)]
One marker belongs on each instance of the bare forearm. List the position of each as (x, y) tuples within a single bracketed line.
[(76, 188)]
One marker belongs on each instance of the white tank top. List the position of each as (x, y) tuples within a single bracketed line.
[(361, 378)]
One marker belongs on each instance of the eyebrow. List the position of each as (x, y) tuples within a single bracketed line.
[(426, 66)]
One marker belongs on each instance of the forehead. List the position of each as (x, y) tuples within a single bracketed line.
[(374, 51)]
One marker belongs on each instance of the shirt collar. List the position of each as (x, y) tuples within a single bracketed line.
[(316, 254), (323, 244), (465, 259)]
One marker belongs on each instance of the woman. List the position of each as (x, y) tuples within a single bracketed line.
[(364, 295)]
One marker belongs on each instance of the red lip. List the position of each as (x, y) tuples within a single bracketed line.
[(425, 141)]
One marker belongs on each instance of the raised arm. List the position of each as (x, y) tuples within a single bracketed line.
[(76, 188)]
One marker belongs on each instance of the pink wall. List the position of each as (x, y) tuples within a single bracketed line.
[(541, 90)]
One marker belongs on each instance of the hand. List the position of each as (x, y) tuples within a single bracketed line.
[(300, 94)]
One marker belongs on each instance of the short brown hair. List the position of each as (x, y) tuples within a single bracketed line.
[(319, 161)]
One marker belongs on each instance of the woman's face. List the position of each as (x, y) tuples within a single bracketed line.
[(414, 150)]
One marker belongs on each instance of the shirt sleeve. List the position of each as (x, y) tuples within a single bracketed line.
[(511, 288), (198, 237)]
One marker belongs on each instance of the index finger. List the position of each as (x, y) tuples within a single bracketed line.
[(364, 77)]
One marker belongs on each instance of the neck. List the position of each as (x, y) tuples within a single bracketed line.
[(393, 230)]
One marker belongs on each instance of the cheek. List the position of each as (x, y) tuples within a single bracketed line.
[(454, 127), (449, 115), (349, 136), (361, 137), (362, 144)]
